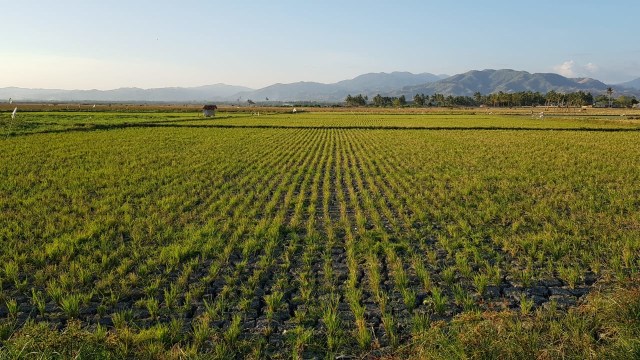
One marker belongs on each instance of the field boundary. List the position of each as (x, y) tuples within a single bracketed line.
[(84, 127)]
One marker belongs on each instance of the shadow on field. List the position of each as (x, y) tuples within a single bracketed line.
[(165, 124)]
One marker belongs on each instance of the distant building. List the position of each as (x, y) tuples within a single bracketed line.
[(209, 110)]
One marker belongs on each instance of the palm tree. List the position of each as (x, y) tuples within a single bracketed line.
[(609, 92)]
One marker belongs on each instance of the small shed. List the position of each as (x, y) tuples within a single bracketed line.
[(209, 110)]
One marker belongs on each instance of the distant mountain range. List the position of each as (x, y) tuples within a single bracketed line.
[(633, 84), (386, 84), (176, 94), (492, 81), (367, 84)]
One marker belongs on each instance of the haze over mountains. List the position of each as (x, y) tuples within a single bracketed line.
[(386, 84)]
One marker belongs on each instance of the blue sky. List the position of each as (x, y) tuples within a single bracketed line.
[(110, 44)]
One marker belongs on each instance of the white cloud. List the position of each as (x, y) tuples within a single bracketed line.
[(566, 68), (570, 68), (591, 67)]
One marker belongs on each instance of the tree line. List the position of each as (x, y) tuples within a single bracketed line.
[(499, 99)]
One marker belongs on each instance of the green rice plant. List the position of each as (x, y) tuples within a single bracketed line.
[(526, 305), (374, 274), (463, 266), (273, 301), (409, 297), (300, 339), (616, 265), (37, 300), (421, 323), (214, 269), (459, 294), (54, 291), (155, 334), (332, 323), (422, 272), (100, 333), (171, 296), (300, 316), (175, 330), (152, 288), (524, 276), (101, 310), (70, 305), (244, 304), (481, 281), (570, 274), (152, 305), (438, 300), (12, 308), (11, 271), (363, 335), (233, 331), (495, 274), (201, 331), (449, 275), (390, 328), (400, 277), (121, 318), (383, 300), (595, 264)]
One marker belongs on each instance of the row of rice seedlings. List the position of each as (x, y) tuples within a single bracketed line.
[(437, 301), (372, 241), (353, 293), (399, 193), (273, 237), (274, 300), (223, 302), (329, 285), (385, 195), (304, 281), (537, 257), (396, 191), (250, 206), (81, 276), (310, 286), (376, 211)]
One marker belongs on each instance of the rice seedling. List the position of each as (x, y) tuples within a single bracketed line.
[(170, 296), (37, 300), (201, 330), (234, 330), (438, 300), (70, 304), (122, 318), (273, 301), (332, 323), (301, 338), (526, 305), (12, 308), (480, 281), (152, 305)]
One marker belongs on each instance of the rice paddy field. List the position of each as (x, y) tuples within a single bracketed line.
[(332, 234)]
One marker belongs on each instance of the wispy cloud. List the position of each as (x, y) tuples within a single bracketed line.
[(566, 68), (570, 68)]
